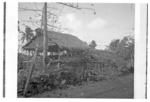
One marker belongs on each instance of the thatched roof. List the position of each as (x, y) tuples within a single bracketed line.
[(64, 41)]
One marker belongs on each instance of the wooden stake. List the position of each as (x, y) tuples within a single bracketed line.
[(45, 42), (44, 21), (30, 72)]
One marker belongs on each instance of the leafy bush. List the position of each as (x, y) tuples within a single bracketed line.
[(49, 82)]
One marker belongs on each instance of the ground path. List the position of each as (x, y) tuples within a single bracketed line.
[(121, 87)]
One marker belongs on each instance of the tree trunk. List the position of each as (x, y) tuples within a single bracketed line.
[(45, 42)]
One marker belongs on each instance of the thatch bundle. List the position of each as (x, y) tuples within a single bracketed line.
[(55, 40)]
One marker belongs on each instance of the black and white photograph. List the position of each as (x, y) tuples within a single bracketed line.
[(75, 50), (87, 50)]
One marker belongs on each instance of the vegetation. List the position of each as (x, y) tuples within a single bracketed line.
[(124, 48), (80, 67), (27, 35), (81, 63), (92, 44)]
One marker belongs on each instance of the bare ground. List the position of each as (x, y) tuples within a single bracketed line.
[(120, 87)]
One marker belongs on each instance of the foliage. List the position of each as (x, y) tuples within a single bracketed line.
[(27, 35), (92, 44), (48, 82), (75, 71), (38, 31), (124, 48), (114, 45), (71, 74)]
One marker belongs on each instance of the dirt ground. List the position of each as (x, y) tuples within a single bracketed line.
[(120, 87)]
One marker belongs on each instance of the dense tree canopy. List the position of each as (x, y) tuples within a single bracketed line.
[(92, 44), (114, 45), (123, 48)]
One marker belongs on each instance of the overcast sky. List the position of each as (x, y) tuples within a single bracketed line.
[(111, 21)]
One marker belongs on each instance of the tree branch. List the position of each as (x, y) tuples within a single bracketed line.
[(37, 10), (76, 7)]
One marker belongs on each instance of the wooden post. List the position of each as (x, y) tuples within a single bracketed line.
[(58, 58), (30, 72), (45, 42), (98, 68)]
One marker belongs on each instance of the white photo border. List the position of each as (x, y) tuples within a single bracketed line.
[(12, 46)]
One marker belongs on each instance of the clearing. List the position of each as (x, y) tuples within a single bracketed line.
[(120, 87)]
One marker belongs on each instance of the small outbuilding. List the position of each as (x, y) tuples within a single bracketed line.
[(58, 44)]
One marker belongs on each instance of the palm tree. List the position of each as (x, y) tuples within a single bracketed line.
[(27, 35)]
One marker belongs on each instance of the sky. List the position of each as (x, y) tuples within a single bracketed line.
[(111, 21)]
